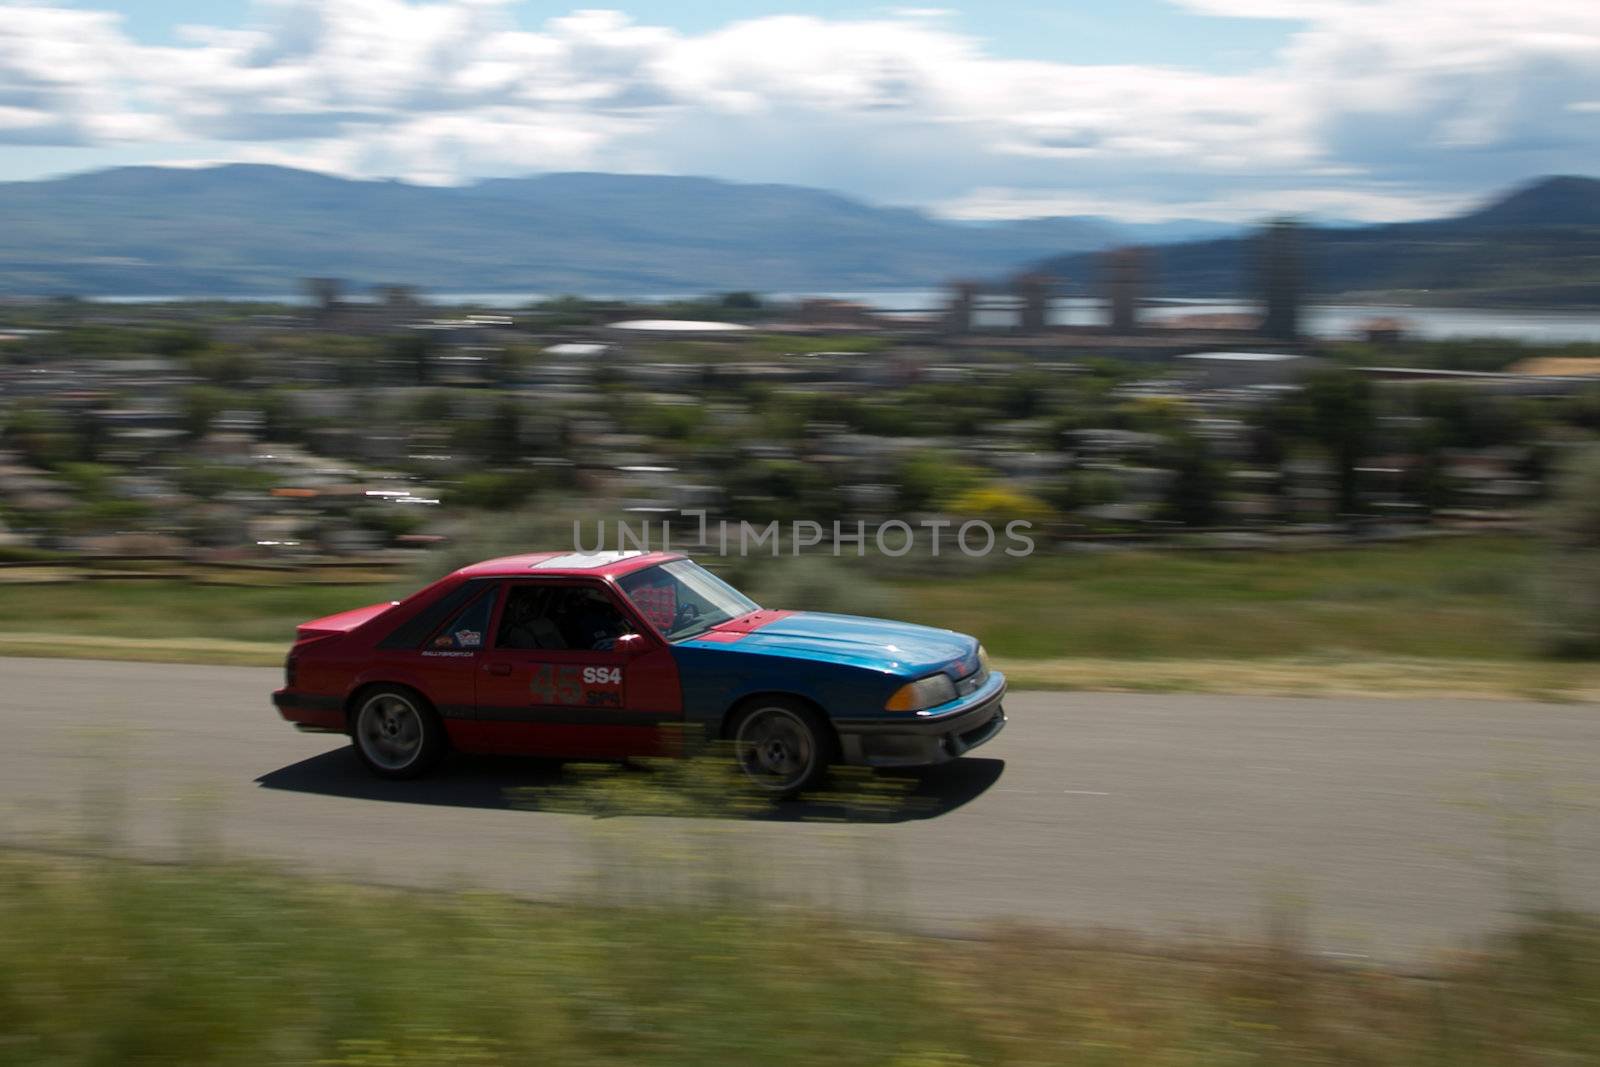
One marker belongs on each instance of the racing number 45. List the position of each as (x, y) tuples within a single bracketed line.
[(570, 684)]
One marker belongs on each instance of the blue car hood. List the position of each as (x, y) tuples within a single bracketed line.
[(900, 648)]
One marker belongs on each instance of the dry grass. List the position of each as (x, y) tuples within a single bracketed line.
[(110, 962), (1317, 677), (218, 651), (1465, 599), (1308, 677)]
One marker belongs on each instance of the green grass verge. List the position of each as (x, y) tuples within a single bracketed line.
[(1445, 618), (115, 963), (148, 609), (1450, 599)]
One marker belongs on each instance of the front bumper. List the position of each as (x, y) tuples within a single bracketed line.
[(901, 740)]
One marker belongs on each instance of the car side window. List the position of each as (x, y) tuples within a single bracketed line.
[(571, 617), (466, 631)]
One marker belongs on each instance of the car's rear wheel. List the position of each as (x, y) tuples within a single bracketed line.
[(396, 733), (782, 746)]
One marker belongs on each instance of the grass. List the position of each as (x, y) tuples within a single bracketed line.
[(1316, 676), (109, 962), (1306, 677), (145, 650), (1442, 618), (1452, 599), (148, 609)]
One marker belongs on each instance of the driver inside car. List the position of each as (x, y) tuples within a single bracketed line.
[(596, 622), (525, 624)]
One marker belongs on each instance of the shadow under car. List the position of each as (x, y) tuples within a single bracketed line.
[(521, 783)]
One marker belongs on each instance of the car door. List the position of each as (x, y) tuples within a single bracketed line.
[(571, 670), (437, 652)]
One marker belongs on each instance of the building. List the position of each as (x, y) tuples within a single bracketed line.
[(1238, 370)]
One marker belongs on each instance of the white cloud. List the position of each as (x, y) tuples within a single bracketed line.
[(64, 79), (1353, 204), (1373, 110)]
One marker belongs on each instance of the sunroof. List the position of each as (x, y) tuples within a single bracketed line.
[(583, 560)]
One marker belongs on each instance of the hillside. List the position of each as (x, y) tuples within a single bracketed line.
[(1536, 246), (245, 229), (257, 229)]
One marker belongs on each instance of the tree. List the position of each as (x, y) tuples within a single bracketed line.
[(1339, 406), (414, 350), (932, 478), (1567, 606), (1083, 489), (40, 434), (1025, 394), (504, 442), (1195, 496), (200, 404)]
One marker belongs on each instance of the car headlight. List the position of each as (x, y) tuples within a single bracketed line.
[(927, 692), (983, 658)]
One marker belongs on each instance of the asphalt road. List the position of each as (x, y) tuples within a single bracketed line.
[(1388, 829)]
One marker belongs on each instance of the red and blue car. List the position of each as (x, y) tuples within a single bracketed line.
[(616, 654)]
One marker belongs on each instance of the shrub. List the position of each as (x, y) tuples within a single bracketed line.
[(1568, 592), (809, 583), (997, 503)]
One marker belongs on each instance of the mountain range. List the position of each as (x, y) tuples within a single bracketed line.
[(241, 229), (248, 229), (1536, 246)]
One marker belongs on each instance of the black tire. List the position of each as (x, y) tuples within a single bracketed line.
[(783, 746), (396, 732)]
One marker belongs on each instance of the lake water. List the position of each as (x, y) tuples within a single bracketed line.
[(1323, 320)]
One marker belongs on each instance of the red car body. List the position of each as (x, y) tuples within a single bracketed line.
[(798, 690), (335, 657)]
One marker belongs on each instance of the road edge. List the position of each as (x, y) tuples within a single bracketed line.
[(1327, 676)]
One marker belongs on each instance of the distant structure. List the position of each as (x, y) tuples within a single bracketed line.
[(326, 297), (1017, 315), (681, 329), (390, 308), (1033, 292), (397, 304), (1557, 367), (1382, 331), (397, 297), (958, 312), (1123, 281), (825, 314), (1238, 370), (1278, 267)]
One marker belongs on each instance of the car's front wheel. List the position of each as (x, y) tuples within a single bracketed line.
[(396, 733), (782, 746)]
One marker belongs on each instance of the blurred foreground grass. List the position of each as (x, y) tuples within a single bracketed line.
[(109, 962), (1446, 617)]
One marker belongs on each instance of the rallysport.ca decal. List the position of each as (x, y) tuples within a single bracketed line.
[(572, 684)]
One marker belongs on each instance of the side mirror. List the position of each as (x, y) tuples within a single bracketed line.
[(631, 644)]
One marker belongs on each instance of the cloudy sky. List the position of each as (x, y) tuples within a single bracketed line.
[(1139, 109)]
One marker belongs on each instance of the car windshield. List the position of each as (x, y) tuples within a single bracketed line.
[(682, 598)]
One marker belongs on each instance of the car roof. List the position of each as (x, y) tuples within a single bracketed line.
[(568, 564)]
